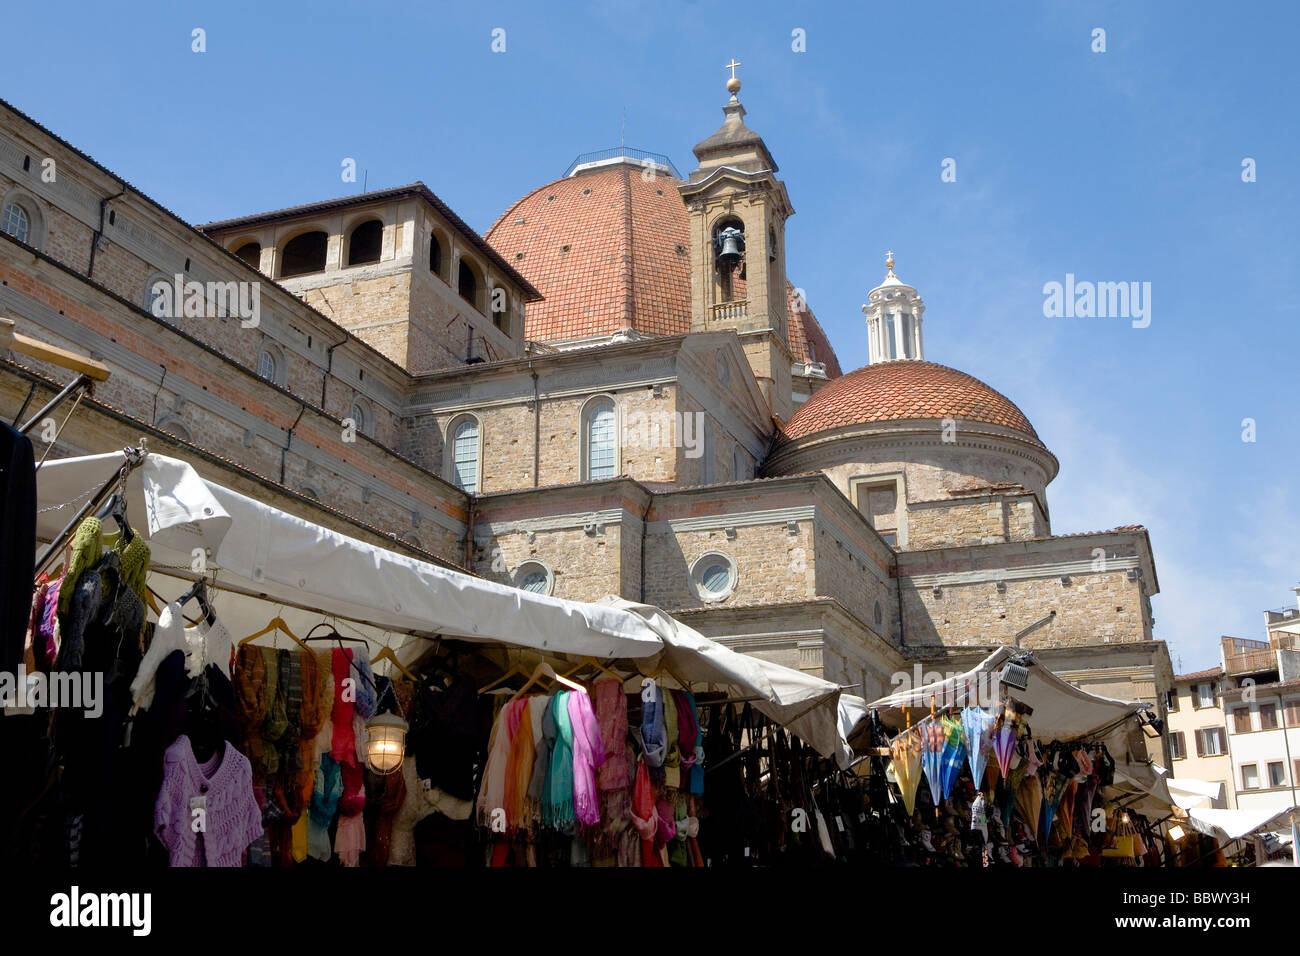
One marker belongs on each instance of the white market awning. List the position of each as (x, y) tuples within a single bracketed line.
[(1227, 825), (273, 556), (1061, 710)]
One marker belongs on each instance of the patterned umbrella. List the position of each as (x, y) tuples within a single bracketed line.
[(1004, 737), (954, 753), (977, 734), (932, 739), (906, 751), (1053, 788)]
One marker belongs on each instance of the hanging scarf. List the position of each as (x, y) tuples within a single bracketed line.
[(492, 790), (696, 780), (559, 782), (343, 746), (273, 727), (350, 835), (519, 762), (545, 724), (653, 737), (588, 754), (644, 816), (367, 699), (611, 715), (324, 804)]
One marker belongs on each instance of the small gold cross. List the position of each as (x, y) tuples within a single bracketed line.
[(732, 67)]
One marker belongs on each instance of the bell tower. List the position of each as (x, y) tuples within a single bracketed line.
[(738, 210)]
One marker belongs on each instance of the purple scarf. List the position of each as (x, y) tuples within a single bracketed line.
[(588, 754)]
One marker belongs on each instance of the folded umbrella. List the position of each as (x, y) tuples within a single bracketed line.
[(977, 735), (906, 753), (932, 739), (1004, 737), (1029, 801), (954, 753)]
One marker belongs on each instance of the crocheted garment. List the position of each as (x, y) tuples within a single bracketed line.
[(231, 820), (611, 715)]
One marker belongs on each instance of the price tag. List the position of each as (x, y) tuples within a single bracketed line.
[(199, 803), (839, 822)]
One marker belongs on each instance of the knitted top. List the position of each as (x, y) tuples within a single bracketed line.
[(224, 789)]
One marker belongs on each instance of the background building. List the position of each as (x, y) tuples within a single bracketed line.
[(1198, 733)]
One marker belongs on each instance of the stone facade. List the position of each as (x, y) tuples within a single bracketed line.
[(852, 553)]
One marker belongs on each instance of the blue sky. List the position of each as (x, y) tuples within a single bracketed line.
[(1115, 166)]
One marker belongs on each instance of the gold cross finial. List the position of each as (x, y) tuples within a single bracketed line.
[(733, 84), (889, 262)]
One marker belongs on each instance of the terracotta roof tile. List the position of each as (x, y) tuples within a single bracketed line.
[(901, 390), (603, 248)]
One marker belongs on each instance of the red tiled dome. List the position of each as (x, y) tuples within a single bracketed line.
[(901, 390), (610, 250)]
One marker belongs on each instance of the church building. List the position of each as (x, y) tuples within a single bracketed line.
[(618, 389)]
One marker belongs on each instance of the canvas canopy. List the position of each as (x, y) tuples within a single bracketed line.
[(1061, 710), (261, 556), (1226, 825)]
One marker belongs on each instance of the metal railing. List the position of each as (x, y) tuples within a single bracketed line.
[(623, 152)]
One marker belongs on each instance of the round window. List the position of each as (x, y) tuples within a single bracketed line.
[(713, 577), (534, 576)]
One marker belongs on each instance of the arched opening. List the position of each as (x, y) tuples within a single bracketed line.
[(250, 252), (16, 221), (304, 254), (465, 455), (729, 257), (366, 243), (500, 300), (467, 284), (435, 257), (600, 440)]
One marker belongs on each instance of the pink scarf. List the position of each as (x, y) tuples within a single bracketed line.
[(588, 754), (611, 715)]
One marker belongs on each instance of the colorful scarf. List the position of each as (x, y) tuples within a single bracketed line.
[(644, 816), (492, 790), (324, 804), (696, 781), (653, 737), (611, 715), (588, 754), (343, 746), (559, 782), (519, 762), (545, 723)]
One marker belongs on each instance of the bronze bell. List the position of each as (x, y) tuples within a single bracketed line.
[(730, 245)]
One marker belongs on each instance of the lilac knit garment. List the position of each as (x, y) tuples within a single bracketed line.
[(232, 820)]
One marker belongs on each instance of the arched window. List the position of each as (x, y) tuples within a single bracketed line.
[(535, 576), (600, 440), (16, 221), (158, 295), (467, 283), (270, 363), (304, 254), (176, 427), (366, 243), (360, 416), (435, 256), (250, 252), (463, 442)]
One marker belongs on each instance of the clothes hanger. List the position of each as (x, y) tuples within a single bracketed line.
[(546, 670), (599, 668), (277, 623), (514, 671), (199, 592), (386, 654), (115, 508)]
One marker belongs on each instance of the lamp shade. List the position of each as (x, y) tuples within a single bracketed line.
[(385, 742)]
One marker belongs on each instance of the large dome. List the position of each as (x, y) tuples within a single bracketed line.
[(905, 390), (609, 250)]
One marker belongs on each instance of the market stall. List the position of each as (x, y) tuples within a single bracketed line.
[(438, 718), (1007, 764)]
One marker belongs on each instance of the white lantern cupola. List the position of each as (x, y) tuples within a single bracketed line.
[(893, 312)]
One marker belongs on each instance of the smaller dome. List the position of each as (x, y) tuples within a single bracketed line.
[(905, 390)]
